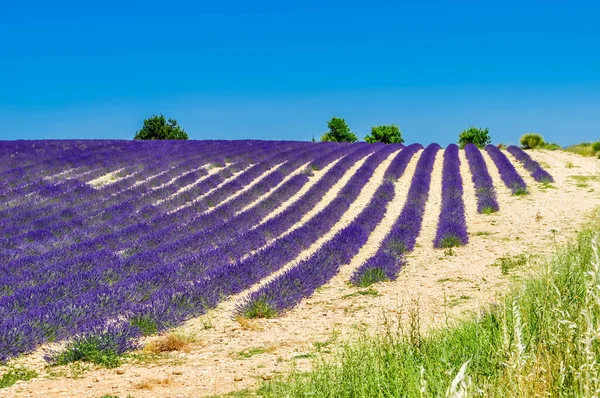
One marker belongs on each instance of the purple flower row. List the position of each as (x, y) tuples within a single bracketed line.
[(384, 265), (452, 226), (484, 186), (509, 175), (533, 167)]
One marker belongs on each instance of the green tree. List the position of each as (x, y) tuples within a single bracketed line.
[(338, 131), (531, 140), (159, 128), (474, 135), (387, 133)]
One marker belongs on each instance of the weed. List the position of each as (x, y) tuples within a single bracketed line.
[(247, 324), (170, 342), (508, 263), (15, 374), (249, 353), (368, 292), (449, 252), (149, 384)]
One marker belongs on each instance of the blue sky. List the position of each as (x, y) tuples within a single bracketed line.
[(280, 70)]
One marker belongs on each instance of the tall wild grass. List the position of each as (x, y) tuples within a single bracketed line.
[(542, 339)]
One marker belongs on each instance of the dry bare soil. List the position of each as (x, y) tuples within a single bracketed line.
[(226, 354)]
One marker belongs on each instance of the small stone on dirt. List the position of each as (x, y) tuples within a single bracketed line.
[(237, 378), (267, 377), (177, 372), (120, 371)]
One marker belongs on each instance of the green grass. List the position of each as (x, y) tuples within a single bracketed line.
[(92, 349), (542, 339), (259, 309), (508, 263), (15, 374), (367, 292), (450, 241), (249, 353), (585, 149), (371, 276)]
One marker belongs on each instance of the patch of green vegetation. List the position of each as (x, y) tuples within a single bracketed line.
[(546, 185), (92, 349), (585, 148), (508, 263), (449, 241), (488, 210), (520, 192), (482, 233), (371, 276), (259, 309), (449, 252), (322, 346), (15, 374), (458, 300), (540, 340), (146, 324), (147, 358), (303, 356), (249, 353), (583, 179), (456, 279), (368, 292)]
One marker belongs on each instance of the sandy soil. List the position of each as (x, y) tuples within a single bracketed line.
[(230, 354)]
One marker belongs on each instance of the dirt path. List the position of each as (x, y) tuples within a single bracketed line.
[(229, 355)]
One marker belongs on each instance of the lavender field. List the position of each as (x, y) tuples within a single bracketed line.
[(121, 239)]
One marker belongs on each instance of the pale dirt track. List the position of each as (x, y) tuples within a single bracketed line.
[(445, 286)]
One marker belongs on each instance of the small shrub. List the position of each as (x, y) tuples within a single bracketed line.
[(102, 348), (551, 146), (596, 146), (501, 146), (388, 134), (531, 140), (474, 135)]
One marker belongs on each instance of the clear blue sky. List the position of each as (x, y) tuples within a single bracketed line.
[(280, 70)]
